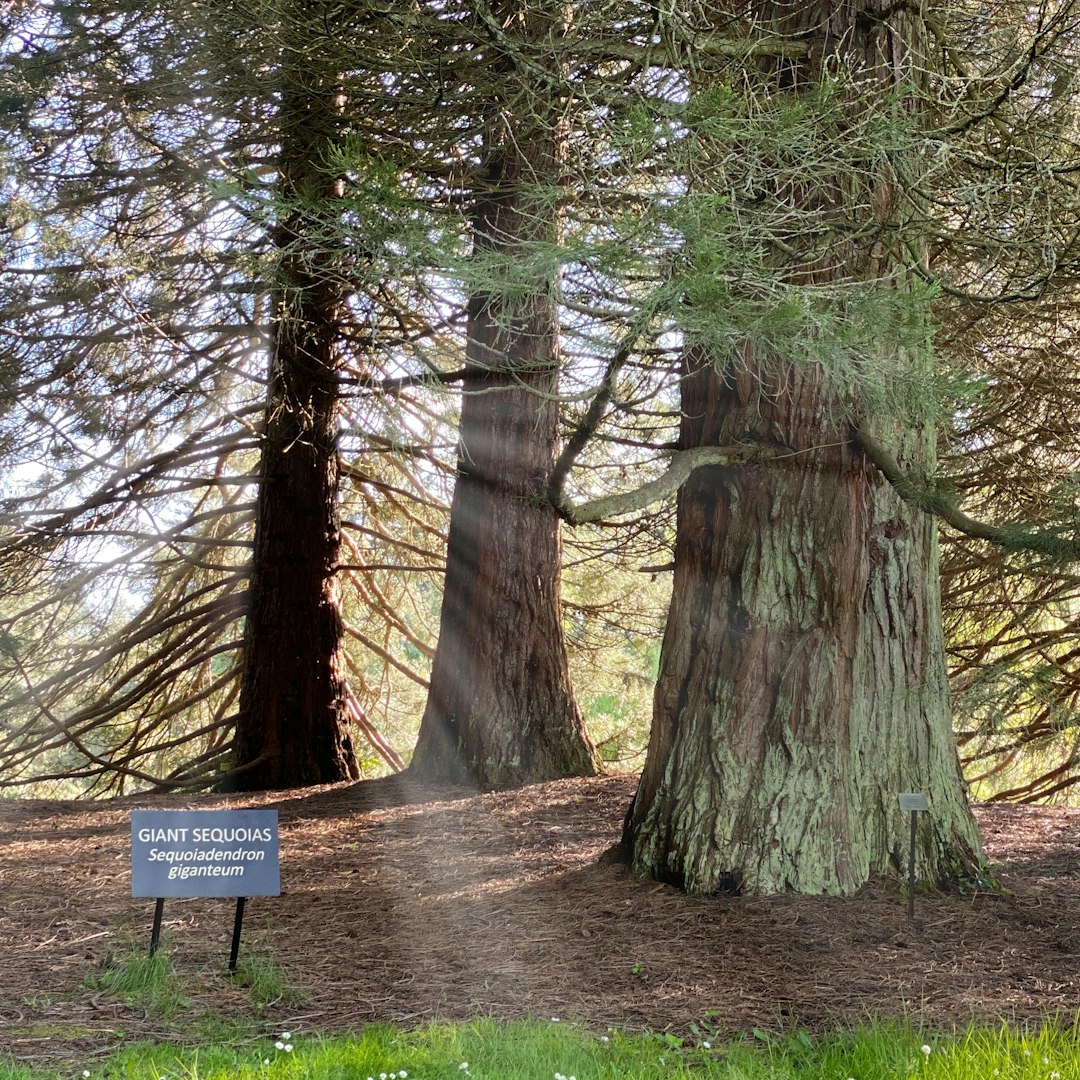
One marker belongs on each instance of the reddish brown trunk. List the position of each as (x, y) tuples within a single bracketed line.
[(802, 683), (292, 726), (500, 709)]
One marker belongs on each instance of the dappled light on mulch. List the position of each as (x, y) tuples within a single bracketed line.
[(409, 903)]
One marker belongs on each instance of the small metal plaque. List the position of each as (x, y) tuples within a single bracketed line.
[(913, 800)]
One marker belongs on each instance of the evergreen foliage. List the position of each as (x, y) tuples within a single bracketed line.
[(141, 200)]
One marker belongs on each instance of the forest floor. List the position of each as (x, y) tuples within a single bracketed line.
[(408, 904)]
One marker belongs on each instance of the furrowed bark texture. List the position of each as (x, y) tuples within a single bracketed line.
[(500, 709), (293, 722), (802, 682)]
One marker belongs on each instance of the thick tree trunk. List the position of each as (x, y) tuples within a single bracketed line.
[(500, 710), (292, 726), (802, 681)]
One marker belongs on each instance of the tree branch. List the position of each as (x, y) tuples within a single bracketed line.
[(933, 497), (682, 464)]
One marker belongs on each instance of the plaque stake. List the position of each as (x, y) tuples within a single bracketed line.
[(238, 923), (914, 802), (911, 870), (155, 932)]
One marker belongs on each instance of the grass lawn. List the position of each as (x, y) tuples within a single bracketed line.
[(549, 1049)]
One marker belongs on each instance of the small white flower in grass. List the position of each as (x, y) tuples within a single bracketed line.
[(925, 1049), (706, 1045), (403, 1074), (287, 1048), (1055, 1075), (1046, 1060), (464, 1065), (86, 1072), (266, 1061), (286, 1035), (554, 1019), (604, 1038), (279, 1045)]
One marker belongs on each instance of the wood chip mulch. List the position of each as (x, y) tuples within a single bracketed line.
[(408, 903)]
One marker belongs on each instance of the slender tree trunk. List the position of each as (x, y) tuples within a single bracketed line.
[(802, 680), (500, 709), (292, 726)]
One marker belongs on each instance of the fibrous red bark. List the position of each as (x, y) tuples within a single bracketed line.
[(802, 682), (293, 722), (500, 710)]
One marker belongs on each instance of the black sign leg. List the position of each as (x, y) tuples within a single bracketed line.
[(911, 872), (155, 933), (237, 925)]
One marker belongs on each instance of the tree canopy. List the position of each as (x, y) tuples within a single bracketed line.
[(420, 213)]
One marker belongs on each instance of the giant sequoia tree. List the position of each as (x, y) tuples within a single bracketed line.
[(802, 680), (500, 709), (177, 327), (293, 723)]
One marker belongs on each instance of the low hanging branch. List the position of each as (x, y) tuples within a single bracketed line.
[(682, 464), (375, 738), (934, 497)]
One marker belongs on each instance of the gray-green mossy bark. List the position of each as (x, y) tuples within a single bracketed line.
[(803, 681)]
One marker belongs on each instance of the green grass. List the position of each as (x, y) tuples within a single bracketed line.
[(153, 983), (544, 1050), (140, 979), (267, 982)]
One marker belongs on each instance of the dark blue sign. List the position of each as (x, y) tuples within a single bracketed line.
[(204, 853)]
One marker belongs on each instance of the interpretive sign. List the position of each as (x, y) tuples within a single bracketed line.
[(204, 853)]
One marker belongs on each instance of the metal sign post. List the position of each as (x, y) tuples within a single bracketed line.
[(155, 933), (238, 923), (913, 801)]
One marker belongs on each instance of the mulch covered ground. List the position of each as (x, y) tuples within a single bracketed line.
[(407, 903)]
